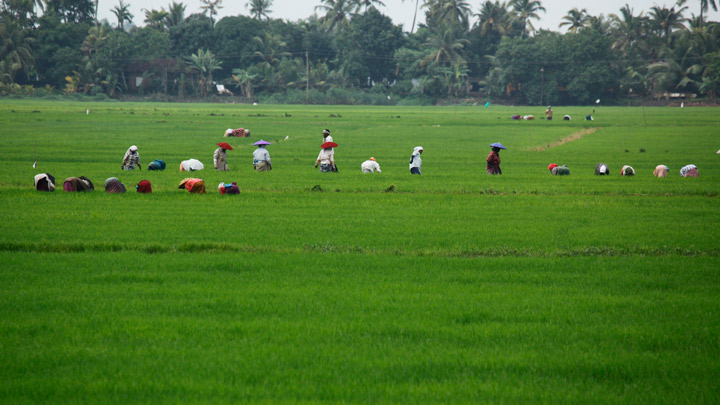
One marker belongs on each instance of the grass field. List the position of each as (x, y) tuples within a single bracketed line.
[(453, 286)]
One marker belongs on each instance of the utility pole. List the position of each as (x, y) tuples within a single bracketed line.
[(542, 83), (307, 77)]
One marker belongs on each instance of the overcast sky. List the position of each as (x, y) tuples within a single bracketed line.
[(401, 12)]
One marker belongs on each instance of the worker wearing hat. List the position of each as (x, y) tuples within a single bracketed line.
[(370, 166)]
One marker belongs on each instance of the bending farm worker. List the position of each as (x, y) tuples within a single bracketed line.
[(131, 159), (660, 171), (370, 166)]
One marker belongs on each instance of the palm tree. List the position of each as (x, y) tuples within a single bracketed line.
[(211, 7), (272, 49), (526, 10), (629, 28), (366, 4), (445, 48), (96, 36), (176, 14), (493, 17), (204, 63), (260, 8), (449, 11), (575, 19), (16, 45), (156, 18), (337, 13), (412, 28), (704, 7), (668, 19), (122, 12), (244, 79)]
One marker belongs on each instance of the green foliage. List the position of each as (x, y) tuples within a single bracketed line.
[(366, 45), (195, 32), (636, 55)]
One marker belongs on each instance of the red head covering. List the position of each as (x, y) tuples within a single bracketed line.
[(144, 187), (552, 166)]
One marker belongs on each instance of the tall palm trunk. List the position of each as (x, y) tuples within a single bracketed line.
[(414, 16)]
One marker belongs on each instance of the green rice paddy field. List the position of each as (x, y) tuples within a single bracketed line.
[(451, 287)]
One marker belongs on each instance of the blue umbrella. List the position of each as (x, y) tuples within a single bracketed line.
[(497, 145)]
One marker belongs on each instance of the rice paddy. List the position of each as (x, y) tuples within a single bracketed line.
[(452, 286)]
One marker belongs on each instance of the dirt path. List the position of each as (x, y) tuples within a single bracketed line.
[(569, 138)]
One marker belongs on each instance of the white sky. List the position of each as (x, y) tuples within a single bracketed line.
[(401, 12)]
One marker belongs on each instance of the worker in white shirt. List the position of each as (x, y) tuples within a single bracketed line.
[(261, 157), (326, 136), (370, 166), (415, 160), (326, 160)]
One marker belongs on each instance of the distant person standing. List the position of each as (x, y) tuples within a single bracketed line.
[(131, 159), (370, 166), (493, 159), (261, 157), (220, 156), (326, 136), (416, 160), (548, 113)]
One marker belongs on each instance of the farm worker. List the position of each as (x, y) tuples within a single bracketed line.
[(493, 159), (326, 136), (326, 158), (144, 186), (195, 186), (220, 156), (529, 117), (589, 117), (689, 171), (566, 118), (559, 170), (661, 171), (131, 159), (416, 160), (516, 117), (156, 164), (113, 185), (601, 169), (627, 171), (81, 183), (191, 165), (228, 188), (548, 113), (239, 133), (370, 166), (44, 182), (261, 157)]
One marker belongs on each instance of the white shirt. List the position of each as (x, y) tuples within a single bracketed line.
[(261, 155), (416, 161), (327, 139), (370, 166), (326, 156)]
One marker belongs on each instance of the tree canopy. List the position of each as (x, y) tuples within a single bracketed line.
[(488, 50)]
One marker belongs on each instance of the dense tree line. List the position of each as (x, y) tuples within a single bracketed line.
[(350, 52)]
